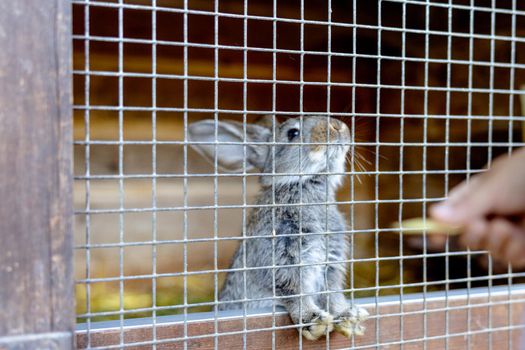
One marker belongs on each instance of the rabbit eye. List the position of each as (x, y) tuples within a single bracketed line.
[(292, 133)]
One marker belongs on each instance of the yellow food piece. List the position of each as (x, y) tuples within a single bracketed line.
[(420, 225)]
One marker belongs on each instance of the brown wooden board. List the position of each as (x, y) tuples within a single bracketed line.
[(36, 281), (458, 321)]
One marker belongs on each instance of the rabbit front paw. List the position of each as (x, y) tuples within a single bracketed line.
[(322, 324), (349, 322)]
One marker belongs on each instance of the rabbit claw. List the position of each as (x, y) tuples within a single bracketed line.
[(322, 324), (349, 322)]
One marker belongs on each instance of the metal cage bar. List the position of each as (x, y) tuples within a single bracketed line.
[(428, 92)]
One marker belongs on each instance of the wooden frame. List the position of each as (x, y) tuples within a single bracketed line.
[(36, 275), (480, 317), (36, 272)]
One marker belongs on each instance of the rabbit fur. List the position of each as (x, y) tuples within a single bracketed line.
[(315, 146)]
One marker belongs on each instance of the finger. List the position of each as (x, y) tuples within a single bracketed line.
[(443, 211), (461, 191), (500, 232), (463, 204), (475, 235), (515, 249)]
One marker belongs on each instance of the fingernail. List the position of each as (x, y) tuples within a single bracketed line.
[(443, 211)]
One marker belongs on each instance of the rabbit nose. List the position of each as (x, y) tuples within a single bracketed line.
[(336, 125)]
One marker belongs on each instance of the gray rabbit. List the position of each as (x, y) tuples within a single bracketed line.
[(288, 258)]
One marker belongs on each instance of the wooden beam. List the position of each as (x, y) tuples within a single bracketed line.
[(457, 320), (36, 280), (199, 66)]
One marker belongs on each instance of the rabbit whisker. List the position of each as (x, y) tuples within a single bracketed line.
[(358, 165)]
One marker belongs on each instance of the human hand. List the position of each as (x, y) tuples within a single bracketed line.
[(491, 210)]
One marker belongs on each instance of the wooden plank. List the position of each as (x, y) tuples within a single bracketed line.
[(36, 281), (456, 322)]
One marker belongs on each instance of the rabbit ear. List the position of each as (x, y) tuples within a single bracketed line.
[(230, 157), (267, 121)]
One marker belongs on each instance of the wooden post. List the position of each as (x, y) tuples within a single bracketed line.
[(36, 273)]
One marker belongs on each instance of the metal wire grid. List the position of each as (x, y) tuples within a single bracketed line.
[(87, 177)]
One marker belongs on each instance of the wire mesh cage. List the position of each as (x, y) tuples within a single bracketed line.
[(203, 128)]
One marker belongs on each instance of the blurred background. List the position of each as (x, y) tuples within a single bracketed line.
[(460, 69)]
